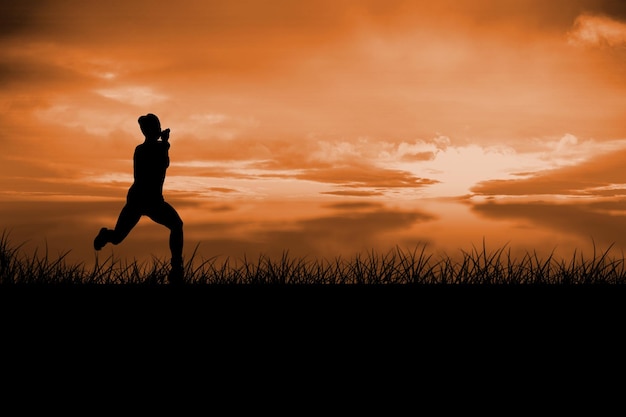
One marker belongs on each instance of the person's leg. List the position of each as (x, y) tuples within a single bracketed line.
[(166, 215), (128, 218)]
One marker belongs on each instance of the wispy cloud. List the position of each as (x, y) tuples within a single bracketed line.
[(135, 95), (598, 30), (599, 176)]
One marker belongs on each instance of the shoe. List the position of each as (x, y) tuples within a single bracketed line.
[(100, 240)]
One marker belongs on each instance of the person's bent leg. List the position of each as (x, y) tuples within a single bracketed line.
[(166, 215), (127, 219), (176, 240)]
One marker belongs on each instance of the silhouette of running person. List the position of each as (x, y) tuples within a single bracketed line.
[(145, 196)]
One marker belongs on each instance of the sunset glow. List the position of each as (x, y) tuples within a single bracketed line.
[(322, 128)]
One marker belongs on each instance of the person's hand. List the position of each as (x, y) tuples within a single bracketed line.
[(165, 134)]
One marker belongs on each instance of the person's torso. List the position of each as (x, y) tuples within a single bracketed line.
[(150, 163)]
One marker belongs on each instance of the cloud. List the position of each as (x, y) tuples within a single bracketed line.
[(135, 95), (339, 234), (598, 176), (222, 190), (367, 167), (17, 17), (597, 30), (565, 142), (365, 176), (354, 193), (586, 221), (374, 179), (355, 205)]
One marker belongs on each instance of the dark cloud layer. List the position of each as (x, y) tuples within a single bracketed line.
[(18, 16), (245, 19), (611, 8), (347, 233), (589, 222)]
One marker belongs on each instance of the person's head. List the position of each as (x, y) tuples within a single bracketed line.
[(150, 126)]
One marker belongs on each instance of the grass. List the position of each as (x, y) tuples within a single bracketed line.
[(397, 266)]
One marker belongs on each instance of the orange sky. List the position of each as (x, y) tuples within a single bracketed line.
[(335, 101)]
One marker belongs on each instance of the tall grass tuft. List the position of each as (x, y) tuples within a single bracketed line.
[(397, 266)]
